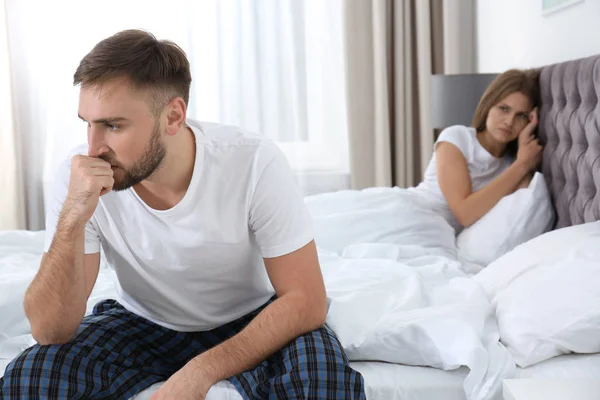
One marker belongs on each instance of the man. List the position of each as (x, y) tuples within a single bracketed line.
[(218, 276)]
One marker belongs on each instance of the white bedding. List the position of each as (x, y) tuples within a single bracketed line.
[(400, 382), (397, 294)]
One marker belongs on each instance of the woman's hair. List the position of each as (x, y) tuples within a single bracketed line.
[(158, 66), (511, 81)]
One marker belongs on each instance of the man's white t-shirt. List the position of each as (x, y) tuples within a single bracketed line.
[(483, 168), (199, 265)]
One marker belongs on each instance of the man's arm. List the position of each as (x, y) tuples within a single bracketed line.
[(55, 301), (300, 307)]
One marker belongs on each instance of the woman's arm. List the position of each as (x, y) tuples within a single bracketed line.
[(455, 183), (524, 184)]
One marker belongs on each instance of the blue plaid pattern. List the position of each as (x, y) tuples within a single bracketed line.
[(116, 354)]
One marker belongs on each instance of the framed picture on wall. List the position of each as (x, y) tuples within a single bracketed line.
[(552, 6)]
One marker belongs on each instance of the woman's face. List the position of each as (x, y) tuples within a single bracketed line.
[(508, 118)]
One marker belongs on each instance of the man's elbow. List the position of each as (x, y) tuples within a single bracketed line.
[(46, 329), (47, 337), (317, 311), (47, 332)]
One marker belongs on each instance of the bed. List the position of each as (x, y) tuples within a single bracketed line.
[(375, 273)]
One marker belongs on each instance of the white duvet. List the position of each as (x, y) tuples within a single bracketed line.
[(397, 293)]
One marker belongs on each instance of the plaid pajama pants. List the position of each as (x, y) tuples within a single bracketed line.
[(116, 354)]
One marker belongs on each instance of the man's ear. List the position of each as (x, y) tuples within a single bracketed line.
[(175, 113)]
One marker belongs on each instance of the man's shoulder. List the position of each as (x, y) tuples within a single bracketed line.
[(214, 134), (234, 141)]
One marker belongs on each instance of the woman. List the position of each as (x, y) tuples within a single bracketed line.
[(471, 169), (474, 167)]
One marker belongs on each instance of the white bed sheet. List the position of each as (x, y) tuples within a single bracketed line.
[(383, 381), (397, 293), (429, 312), (400, 382)]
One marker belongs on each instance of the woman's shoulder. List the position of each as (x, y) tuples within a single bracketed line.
[(461, 136), (460, 131)]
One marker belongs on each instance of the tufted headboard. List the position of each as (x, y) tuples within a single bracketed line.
[(569, 128)]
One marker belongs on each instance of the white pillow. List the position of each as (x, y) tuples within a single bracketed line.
[(516, 218), (547, 294), (379, 215)]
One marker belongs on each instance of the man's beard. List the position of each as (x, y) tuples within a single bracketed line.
[(147, 164)]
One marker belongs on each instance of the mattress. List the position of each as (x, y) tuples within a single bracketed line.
[(383, 381), (400, 382)]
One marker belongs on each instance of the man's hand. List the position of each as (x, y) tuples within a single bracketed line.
[(90, 178), (189, 383), (55, 301)]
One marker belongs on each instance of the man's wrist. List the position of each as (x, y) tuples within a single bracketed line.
[(70, 221), (203, 369)]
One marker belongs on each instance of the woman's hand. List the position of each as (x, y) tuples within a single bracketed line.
[(527, 133), (530, 149)]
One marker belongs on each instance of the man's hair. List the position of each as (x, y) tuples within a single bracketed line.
[(159, 67)]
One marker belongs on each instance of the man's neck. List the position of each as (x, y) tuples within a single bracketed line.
[(167, 186)]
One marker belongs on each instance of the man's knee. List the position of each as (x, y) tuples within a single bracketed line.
[(31, 366), (319, 358), (19, 364)]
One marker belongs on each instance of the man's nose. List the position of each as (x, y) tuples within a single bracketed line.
[(96, 145)]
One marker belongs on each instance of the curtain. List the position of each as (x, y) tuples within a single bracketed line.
[(271, 66), (392, 48), (12, 215)]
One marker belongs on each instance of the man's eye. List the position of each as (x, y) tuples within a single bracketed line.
[(112, 127)]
